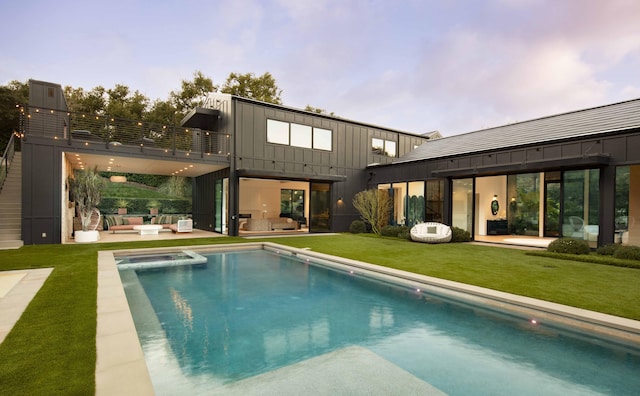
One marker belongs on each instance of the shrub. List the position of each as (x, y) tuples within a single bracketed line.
[(357, 227), (405, 233), (569, 246), (460, 235), (607, 250), (627, 252), (394, 231)]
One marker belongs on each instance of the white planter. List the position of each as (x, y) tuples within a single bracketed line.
[(87, 236)]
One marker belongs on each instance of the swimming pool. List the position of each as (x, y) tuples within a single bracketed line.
[(256, 312)]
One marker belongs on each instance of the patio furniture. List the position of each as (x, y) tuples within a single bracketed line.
[(431, 232), (185, 225), (147, 229)]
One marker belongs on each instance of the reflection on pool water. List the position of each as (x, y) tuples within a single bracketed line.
[(247, 313)]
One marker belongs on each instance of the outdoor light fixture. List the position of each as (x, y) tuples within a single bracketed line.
[(118, 179)]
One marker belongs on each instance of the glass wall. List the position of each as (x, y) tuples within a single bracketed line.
[(411, 206), (415, 203), (627, 212), (397, 193), (462, 204), (581, 204), (292, 204), (434, 210), (319, 207), (221, 195), (523, 216)]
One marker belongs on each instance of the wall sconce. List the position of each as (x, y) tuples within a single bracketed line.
[(495, 205), (340, 200)]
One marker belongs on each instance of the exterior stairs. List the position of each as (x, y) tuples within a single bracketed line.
[(11, 206)]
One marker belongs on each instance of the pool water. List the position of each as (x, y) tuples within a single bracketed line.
[(247, 313)]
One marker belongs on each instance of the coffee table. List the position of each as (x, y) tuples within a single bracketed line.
[(148, 229)]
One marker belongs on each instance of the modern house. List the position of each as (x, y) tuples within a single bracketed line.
[(253, 164)]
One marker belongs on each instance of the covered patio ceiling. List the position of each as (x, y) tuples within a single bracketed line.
[(139, 165)]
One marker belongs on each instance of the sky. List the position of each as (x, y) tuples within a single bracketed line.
[(411, 65)]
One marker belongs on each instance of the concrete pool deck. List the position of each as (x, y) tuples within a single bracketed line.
[(121, 368), (17, 289)]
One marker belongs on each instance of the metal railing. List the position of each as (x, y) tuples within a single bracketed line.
[(7, 159), (113, 132)]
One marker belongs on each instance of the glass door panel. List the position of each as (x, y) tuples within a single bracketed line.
[(415, 204), (319, 207), (218, 196), (552, 209), (292, 204), (462, 205)]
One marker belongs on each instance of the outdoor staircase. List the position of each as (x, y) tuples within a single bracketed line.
[(11, 206)]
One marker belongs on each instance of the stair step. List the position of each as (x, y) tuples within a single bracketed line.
[(11, 206), (7, 236), (11, 244)]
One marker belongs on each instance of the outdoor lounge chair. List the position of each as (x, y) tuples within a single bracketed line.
[(431, 233)]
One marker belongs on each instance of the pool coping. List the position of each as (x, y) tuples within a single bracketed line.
[(121, 368)]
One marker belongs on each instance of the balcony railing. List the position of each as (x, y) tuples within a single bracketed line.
[(7, 159), (113, 132)]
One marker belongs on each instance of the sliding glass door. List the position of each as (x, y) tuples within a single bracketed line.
[(319, 207)]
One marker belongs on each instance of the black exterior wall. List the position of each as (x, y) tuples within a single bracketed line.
[(203, 199), (252, 156), (41, 193), (605, 151)]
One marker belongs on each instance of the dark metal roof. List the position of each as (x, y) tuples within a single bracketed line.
[(581, 123)]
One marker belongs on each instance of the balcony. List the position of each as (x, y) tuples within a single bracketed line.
[(110, 133)]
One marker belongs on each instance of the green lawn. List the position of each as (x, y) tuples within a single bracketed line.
[(51, 350)]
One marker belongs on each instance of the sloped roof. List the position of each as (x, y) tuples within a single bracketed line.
[(588, 122)]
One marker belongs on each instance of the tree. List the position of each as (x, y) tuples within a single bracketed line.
[(247, 85), (122, 103), (86, 189), (193, 93), (81, 101), (318, 110), (374, 206), (164, 112), (12, 96)]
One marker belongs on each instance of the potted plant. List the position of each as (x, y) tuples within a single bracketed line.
[(153, 206), (86, 188), (122, 206)]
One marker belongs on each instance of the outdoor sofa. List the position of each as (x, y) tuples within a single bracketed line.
[(431, 232), (173, 223)]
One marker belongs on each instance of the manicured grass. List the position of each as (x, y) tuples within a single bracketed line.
[(608, 289), (51, 350)]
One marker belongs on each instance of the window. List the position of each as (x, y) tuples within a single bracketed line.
[(277, 132), (383, 147), (300, 135), (389, 148), (322, 139), (377, 146), (297, 135)]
